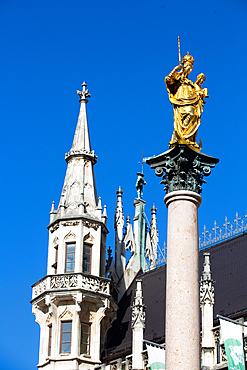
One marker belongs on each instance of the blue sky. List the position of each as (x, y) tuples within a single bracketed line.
[(123, 49)]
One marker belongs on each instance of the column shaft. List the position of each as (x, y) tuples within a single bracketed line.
[(182, 285)]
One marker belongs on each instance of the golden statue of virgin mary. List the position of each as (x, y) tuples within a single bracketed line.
[(188, 101)]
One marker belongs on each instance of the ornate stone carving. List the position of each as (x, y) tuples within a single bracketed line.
[(66, 312), (95, 284), (70, 235), (223, 353), (89, 238), (207, 292), (138, 309), (114, 366), (182, 168), (63, 281), (54, 227), (70, 223), (84, 153), (138, 316), (217, 335), (39, 288), (48, 319), (55, 240), (89, 224), (69, 281), (129, 363), (145, 359)]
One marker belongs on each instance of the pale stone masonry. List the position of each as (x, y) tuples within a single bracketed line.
[(73, 304), (207, 307)]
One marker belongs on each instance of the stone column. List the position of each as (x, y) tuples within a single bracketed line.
[(182, 284), (182, 170)]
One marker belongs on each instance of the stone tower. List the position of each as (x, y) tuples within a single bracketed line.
[(73, 304)]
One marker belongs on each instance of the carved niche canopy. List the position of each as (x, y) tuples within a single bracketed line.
[(88, 238), (70, 236)]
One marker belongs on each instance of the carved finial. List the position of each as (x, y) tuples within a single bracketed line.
[(119, 216), (109, 251), (52, 206), (119, 192), (84, 94), (153, 210), (152, 240), (128, 220), (104, 212), (99, 203)]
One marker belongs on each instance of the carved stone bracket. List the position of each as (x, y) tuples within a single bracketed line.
[(54, 227), (182, 168)]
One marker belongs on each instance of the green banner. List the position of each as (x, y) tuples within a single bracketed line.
[(231, 334), (157, 366), (235, 354), (156, 357)]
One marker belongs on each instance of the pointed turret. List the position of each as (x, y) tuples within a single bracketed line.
[(79, 195), (139, 220), (72, 303), (119, 226), (152, 240)]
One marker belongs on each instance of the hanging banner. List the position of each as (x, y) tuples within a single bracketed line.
[(233, 341), (156, 357)]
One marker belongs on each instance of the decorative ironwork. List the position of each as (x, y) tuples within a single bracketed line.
[(227, 231)]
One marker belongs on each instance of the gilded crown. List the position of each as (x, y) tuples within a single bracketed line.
[(188, 59)]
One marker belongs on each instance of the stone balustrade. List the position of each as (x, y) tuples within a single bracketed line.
[(71, 281)]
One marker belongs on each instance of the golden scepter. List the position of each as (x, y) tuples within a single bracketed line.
[(179, 52)]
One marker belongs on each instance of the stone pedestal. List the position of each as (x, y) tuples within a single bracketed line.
[(182, 289)]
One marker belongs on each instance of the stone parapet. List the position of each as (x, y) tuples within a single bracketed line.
[(73, 281)]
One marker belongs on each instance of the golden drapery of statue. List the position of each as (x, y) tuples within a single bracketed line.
[(188, 101)]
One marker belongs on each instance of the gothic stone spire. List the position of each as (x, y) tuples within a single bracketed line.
[(79, 195)]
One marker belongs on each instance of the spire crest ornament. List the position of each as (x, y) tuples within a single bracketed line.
[(84, 94)]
